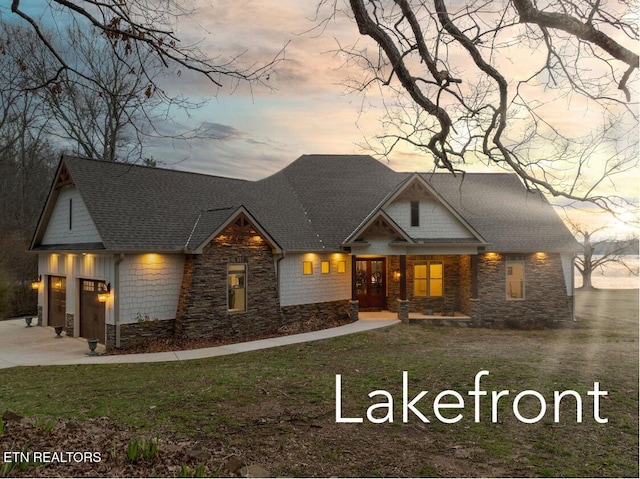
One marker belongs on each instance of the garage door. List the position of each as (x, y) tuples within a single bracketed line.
[(57, 300), (92, 324)]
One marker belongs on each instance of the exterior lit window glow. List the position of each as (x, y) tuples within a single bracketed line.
[(342, 267), (325, 267), (428, 279), (307, 267)]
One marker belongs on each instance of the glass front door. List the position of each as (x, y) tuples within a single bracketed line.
[(370, 283)]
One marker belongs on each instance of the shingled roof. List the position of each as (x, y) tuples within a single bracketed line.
[(313, 204)]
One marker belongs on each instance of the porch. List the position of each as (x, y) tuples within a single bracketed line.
[(456, 319)]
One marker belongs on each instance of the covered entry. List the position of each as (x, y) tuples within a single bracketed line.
[(57, 304), (370, 283), (92, 316)]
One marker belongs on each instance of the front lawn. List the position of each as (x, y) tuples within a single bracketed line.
[(277, 407)]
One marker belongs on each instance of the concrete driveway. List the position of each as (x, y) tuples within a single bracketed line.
[(38, 345)]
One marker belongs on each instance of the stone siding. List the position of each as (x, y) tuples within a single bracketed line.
[(545, 295), (452, 288), (203, 309), (136, 333), (318, 313), (69, 324)]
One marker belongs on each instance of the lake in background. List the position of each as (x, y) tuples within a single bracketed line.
[(613, 276)]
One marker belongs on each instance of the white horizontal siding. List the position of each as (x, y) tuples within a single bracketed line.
[(75, 267), (83, 229), (298, 288)]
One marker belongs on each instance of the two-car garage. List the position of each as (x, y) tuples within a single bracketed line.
[(91, 311)]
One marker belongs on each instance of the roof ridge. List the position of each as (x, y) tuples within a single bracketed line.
[(152, 168)]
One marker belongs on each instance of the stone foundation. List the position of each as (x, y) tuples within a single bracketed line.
[(354, 309), (323, 314), (69, 324), (135, 333), (403, 310)]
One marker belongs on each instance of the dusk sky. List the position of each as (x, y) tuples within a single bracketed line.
[(307, 109)]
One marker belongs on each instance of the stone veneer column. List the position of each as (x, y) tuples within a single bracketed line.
[(354, 307), (68, 324), (403, 310), (39, 315), (476, 317)]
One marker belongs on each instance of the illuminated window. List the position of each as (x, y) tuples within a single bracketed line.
[(325, 267), (237, 287), (307, 267), (515, 279), (342, 266), (428, 279)]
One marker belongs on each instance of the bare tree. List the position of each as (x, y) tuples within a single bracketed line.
[(26, 168), (497, 81), (596, 254), (114, 116), (139, 29)]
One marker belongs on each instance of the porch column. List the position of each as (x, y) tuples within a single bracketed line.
[(403, 304), (354, 305), (403, 277), (354, 294), (476, 318), (474, 276)]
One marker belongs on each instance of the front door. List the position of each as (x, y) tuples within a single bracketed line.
[(370, 283)]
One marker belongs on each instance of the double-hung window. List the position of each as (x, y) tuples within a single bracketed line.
[(428, 279)]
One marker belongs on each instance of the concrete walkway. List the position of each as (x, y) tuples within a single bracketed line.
[(38, 346)]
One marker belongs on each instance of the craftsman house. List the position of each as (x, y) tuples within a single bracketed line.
[(128, 252)]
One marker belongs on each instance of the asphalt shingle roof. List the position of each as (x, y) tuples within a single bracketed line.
[(313, 204)]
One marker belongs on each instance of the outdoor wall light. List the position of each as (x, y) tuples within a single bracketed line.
[(103, 292), (397, 275), (35, 284)]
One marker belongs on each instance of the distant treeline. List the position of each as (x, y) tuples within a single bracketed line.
[(607, 246)]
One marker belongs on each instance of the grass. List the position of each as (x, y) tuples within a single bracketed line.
[(277, 406)]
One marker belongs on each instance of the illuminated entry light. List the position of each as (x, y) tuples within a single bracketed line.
[(103, 292)]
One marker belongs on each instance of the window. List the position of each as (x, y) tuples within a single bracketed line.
[(515, 279), (237, 287), (342, 267), (325, 267), (70, 213), (307, 267), (415, 213), (428, 279)]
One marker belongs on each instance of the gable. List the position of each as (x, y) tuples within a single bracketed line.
[(69, 222), (435, 221), (227, 223)]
